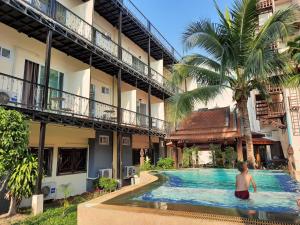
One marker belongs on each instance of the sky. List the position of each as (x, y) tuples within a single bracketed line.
[(171, 17)]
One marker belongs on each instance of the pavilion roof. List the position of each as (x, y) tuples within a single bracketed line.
[(208, 125)]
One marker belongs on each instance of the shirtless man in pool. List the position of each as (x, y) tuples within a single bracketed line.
[(243, 181)]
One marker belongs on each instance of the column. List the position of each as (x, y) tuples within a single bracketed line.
[(38, 198), (149, 91), (268, 151), (119, 113)]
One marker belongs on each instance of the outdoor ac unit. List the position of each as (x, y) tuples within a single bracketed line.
[(7, 96), (105, 173), (129, 171), (49, 191)]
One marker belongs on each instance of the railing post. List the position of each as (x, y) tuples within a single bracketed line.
[(149, 91), (119, 116), (38, 187)]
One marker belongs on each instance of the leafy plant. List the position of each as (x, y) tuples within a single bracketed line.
[(147, 165), (108, 184), (187, 156), (65, 189), (238, 56), (230, 157), (165, 164), (217, 155), (18, 167)]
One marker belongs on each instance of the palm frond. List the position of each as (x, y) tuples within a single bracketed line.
[(204, 34), (183, 104), (278, 26)]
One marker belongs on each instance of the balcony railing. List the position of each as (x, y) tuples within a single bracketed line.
[(149, 26), (87, 32), (131, 118), (264, 5), (265, 109), (20, 93)]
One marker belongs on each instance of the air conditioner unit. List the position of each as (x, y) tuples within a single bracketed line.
[(49, 190), (7, 96), (128, 171), (105, 173)]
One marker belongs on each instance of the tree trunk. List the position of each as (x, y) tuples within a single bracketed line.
[(12, 208), (239, 149), (247, 132)]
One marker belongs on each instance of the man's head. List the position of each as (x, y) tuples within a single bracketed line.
[(243, 167)]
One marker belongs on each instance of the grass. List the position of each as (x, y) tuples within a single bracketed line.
[(55, 214)]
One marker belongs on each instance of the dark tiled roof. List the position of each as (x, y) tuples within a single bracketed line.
[(208, 125)]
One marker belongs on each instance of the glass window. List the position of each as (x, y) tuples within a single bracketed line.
[(103, 140), (105, 90), (71, 161), (126, 141), (47, 165), (55, 81), (5, 53)]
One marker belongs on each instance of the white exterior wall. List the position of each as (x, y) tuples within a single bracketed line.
[(76, 73), (60, 136)]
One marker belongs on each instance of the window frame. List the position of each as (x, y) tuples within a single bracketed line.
[(73, 170), (104, 136), (50, 161), (127, 139), (106, 90), (6, 49)]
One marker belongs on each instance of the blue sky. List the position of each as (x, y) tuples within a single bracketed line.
[(171, 17)]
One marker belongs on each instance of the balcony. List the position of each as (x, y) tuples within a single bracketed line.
[(137, 27), (264, 5), (79, 39), (70, 109), (269, 110)]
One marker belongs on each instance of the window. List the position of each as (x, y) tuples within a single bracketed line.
[(126, 141), (4, 52), (103, 140), (47, 165), (105, 90), (71, 161), (56, 79)]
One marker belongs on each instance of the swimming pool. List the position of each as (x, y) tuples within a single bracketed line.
[(212, 191), (276, 191)]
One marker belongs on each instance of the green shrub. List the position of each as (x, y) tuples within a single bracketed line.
[(165, 163), (187, 156), (146, 166), (108, 184)]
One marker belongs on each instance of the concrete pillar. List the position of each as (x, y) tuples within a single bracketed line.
[(37, 204), (268, 151), (115, 151), (142, 157)]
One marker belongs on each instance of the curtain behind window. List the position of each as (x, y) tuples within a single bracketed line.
[(29, 94)]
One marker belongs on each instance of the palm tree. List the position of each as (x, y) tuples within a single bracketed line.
[(294, 50), (238, 56)]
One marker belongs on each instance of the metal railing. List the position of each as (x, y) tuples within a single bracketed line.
[(131, 118), (79, 26), (128, 4), (21, 93), (264, 4), (273, 109), (160, 125)]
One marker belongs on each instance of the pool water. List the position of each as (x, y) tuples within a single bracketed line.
[(276, 191)]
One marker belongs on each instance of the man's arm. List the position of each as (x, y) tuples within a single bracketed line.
[(253, 183)]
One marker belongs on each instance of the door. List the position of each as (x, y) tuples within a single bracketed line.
[(55, 96)]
